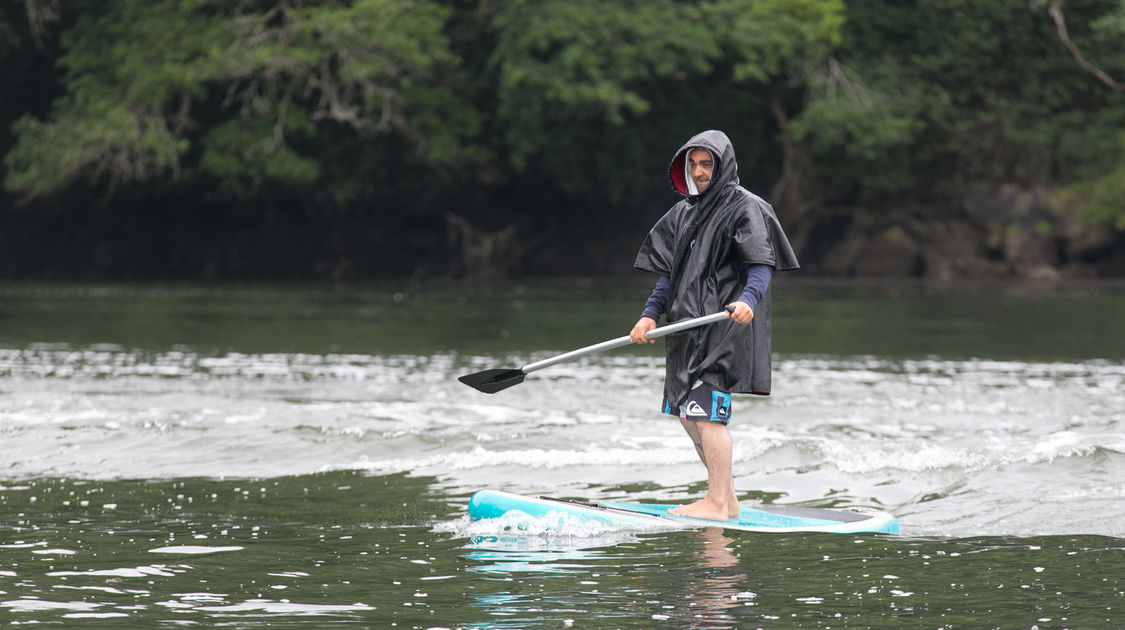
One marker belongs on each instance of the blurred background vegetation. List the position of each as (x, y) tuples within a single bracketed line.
[(254, 139)]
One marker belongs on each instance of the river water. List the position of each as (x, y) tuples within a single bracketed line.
[(291, 456)]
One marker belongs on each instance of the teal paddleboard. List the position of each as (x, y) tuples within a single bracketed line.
[(763, 518)]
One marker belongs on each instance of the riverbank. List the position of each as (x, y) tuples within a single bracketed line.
[(997, 232)]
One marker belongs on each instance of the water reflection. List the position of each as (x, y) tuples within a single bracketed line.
[(690, 578), (517, 559), (545, 580), (718, 588)]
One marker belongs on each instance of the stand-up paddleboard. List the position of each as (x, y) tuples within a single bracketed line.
[(766, 518)]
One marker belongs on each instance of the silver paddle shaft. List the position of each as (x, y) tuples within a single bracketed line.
[(624, 341)]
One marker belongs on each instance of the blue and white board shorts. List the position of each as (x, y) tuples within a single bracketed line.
[(703, 402)]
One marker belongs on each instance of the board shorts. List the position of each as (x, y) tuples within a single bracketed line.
[(703, 402)]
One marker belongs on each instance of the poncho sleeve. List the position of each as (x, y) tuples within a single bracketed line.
[(752, 239), (761, 241), (658, 250)]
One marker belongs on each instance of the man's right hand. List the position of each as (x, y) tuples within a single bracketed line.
[(643, 325)]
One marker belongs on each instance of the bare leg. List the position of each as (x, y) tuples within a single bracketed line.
[(693, 432), (713, 445)]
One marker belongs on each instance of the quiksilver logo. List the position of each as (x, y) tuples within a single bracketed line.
[(693, 409)]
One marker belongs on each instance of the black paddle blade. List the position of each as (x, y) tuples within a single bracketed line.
[(494, 380)]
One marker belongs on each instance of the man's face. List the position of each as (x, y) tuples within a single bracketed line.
[(700, 164)]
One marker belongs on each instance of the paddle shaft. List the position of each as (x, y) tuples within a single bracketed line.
[(624, 341)]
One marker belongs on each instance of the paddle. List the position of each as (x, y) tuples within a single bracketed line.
[(496, 379)]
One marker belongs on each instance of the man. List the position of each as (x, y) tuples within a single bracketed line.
[(715, 248)]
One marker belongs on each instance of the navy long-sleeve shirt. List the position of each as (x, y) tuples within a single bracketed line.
[(757, 279)]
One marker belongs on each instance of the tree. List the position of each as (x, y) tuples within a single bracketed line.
[(370, 129), (950, 91), (1100, 195), (240, 92), (588, 88)]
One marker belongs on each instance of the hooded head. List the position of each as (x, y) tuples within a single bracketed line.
[(703, 165)]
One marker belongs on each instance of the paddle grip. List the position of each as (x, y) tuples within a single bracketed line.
[(624, 341)]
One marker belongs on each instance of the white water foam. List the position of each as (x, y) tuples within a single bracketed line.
[(854, 430), (517, 542), (194, 550)]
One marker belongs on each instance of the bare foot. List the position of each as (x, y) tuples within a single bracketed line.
[(705, 509), (734, 508)]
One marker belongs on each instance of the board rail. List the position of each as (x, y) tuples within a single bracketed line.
[(765, 518)]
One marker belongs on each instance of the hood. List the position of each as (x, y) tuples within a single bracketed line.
[(726, 167)]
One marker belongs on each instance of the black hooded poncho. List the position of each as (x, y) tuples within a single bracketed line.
[(703, 245)]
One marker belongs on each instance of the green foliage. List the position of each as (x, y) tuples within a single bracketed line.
[(249, 89), (582, 61), (150, 53), (343, 100), (574, 73), (1101, 198), (956, 90), (242, 152), (855, 133), (768, 39), (1104, 193), (1108, 31), (92, 131), (373, 66), (121, 76)]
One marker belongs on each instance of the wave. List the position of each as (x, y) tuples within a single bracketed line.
[(914, 435)]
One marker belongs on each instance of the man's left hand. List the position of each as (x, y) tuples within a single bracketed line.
[(742, 314)]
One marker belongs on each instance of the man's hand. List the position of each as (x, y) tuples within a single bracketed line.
[(643, 325), (742, 314)]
